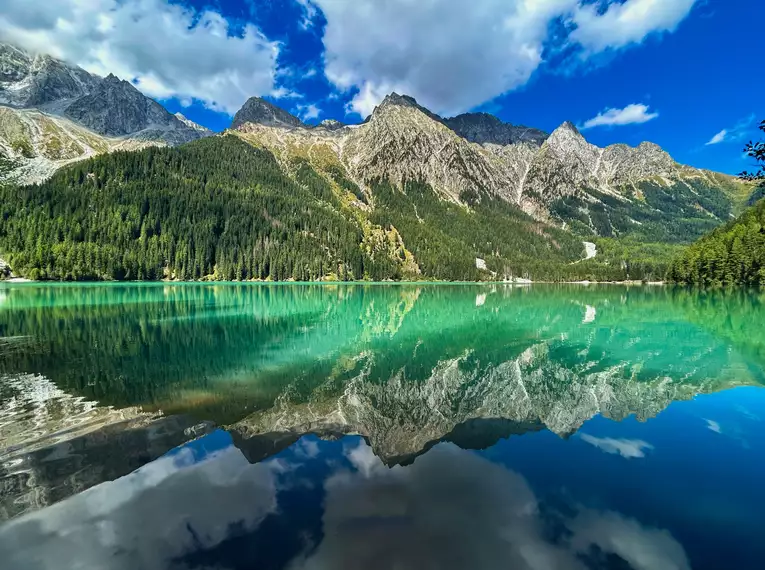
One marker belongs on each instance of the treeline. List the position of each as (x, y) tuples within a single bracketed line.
[(221, 209), (216, 208), (731, 255)]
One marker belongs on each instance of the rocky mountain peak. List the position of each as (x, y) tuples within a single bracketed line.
[(330, 124), (191, 124), (116, 108), (259, 111), (567, 139), (405, 102), (486, 128), (34, 80), (400, 100)]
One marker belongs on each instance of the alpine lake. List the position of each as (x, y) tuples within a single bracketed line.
[(265, 426)]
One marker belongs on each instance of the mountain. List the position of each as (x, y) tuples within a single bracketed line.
[(191, 124), (260, 111), (560, 179), (28, 80), (733, 254), (116, 108), (469, 197), (53, 113), (484, 128)]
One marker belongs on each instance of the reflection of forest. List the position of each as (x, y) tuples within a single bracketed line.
[(404, 366), (222, 351)]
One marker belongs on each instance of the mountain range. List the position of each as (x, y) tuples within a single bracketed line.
[(487, 198), (53, 113)]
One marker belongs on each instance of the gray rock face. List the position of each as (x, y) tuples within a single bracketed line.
[(396, 100), (117, 108), (402, 141), (53, 113), (475, 152), (261, 112), (485, 128), (192, 125), (28, 80)]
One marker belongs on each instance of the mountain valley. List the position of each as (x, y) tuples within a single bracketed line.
[(419, 196)]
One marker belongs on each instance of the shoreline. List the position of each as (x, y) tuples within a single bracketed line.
[(518, 283)]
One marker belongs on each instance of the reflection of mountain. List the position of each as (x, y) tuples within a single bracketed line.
[(404, 366), (402, 417), (45, 476)]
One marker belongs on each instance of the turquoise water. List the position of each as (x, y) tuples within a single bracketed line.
[(480, 426)]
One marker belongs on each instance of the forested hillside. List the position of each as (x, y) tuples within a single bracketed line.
[(220, 208), (217, 208), (733, 254)]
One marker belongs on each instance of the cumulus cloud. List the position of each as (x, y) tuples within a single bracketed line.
[(415, 517), (629, 448), (626, 23), (168, 50), (450, 509), (453, 56), (630, 115), (308, 112)]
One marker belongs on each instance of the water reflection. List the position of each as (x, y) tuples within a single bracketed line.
[(378, 426), (335, 504)]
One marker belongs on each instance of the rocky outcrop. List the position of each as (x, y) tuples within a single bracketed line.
[(258, 111), (53, 113), (28, 80), (192, 125), (477, 154), (116, 108), (330, 125), (484, 128)]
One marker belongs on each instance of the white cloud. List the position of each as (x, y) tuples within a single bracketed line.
[(718, 138), (373, 517), (453, 56), (171, 50), (308, 112), (630, 115), (629, 448), (734, 133), (626, 23)]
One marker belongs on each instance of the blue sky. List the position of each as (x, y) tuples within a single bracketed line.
[(681, 73)]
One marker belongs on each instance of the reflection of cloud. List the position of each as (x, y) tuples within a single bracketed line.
[(644, 548), (714, 426), (454, 509), (145, 519), (590, 313), (307, 448), (629, 448)]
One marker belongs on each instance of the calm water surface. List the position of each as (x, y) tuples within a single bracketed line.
[(381, 426)]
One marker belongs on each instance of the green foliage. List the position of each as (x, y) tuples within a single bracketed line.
[(221, 209), (757, 195), (676, 214), (23, 147), (731, 255), (217, 208)]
